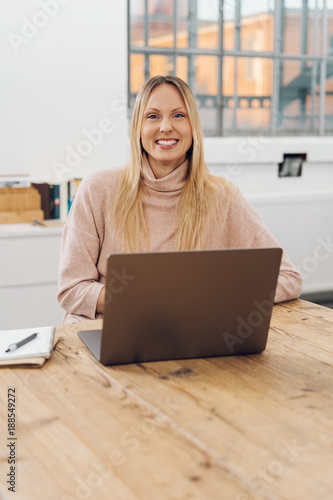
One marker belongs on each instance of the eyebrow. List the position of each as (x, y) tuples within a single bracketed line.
[(172, 111)]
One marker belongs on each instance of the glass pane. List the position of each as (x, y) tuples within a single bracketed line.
[(247, 94), (329, 5), (137, 33), (228, 9), (208, 28), (205, 89), (229, 24), (228, 92), (330, 45), (160, 65), (301, 27), (254, 93), (298, 96), (228, 86), (182, 67), (315, 20), (257, 25), (137, 63), (254, 76), (183, 24), (329, 99), (206, 70), (160, 24)]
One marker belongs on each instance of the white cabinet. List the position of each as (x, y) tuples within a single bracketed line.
[(29, 261)]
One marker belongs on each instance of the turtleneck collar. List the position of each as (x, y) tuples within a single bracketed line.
[(174, 181)]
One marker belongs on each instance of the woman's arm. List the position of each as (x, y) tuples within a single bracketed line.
[(289, 285), (245, 229), (79, 286)]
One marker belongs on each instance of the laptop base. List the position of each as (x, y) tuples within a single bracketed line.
[(93, 340)]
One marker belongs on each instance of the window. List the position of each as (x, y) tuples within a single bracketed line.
[(251, 65)]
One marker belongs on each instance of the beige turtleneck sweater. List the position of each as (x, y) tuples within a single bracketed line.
[(88, 240)]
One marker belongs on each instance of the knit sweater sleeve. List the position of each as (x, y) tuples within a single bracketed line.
[(78, 283), (245, 229)]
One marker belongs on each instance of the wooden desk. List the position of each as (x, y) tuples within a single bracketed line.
[(238, 428)]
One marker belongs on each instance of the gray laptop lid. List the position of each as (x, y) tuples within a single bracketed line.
[(191, 304)]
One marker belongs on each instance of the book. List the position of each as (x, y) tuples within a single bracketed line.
[(15, 180), (72, 187), (33, 353), (54, 190), (44, 191)]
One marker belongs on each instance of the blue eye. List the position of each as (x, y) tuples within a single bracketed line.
[(179, 115), (152, 116)]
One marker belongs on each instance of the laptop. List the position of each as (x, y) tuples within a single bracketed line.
[(191, 304)]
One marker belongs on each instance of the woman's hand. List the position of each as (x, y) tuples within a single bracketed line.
[(100, 301)]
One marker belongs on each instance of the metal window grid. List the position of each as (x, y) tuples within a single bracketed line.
[(277, 56)]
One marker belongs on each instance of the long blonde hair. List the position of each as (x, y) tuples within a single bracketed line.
[(199, 197)]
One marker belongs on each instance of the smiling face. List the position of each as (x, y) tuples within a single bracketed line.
[(166, 133)]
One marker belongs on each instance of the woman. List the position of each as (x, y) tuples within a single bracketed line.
[(164, 199)]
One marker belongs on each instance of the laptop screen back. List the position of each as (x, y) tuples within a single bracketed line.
[(188, 304)]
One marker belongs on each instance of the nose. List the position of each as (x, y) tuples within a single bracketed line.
[(166, 125)]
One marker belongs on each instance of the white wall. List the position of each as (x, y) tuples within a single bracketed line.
[(63, 72)]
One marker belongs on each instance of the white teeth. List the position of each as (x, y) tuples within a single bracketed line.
[(166, 143)]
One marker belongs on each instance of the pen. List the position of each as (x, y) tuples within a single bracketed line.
[(13, 347)]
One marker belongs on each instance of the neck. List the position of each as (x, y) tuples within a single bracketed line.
[(160, 170)]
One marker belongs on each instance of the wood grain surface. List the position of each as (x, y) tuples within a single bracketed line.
[(240, 427)]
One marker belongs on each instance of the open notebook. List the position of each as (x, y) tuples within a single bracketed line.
[(33, 353)]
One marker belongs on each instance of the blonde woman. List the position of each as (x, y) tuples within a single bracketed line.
[(164, 199)]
